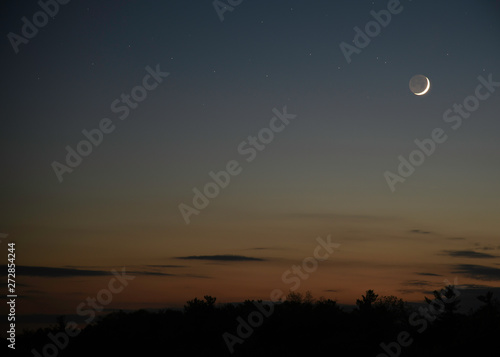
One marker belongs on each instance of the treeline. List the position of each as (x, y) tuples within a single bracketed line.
[(379, 326)]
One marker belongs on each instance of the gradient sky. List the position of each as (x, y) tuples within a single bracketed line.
[(323, 175)]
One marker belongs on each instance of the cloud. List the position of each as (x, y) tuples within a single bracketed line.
[(428, 274), (50, 272), (17, 284), (196, 276), (456, 238), (474, 286), (420, 283), (149, 273), (411, 291), (53, 272), (166, 266), (467, 254), (85, 266), (418, 231), (479, 272), (165, 274), (332, 291), (334, 216), (223, 258), (162, 266), (487, 247)]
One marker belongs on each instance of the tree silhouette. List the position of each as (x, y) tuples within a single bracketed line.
[(298, 326), (447, 298), (366, 302), (200, 306), (487, 298)]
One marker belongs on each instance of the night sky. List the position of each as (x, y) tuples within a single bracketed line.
[(215, 85)]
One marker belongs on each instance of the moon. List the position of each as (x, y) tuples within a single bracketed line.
[(420, 84)]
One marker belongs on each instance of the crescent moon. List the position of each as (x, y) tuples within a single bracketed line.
[(426, 89)]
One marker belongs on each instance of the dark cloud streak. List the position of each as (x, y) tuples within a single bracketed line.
[(418, 231), (223, 258), (467, 254), (479, 272), (51, 272)]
